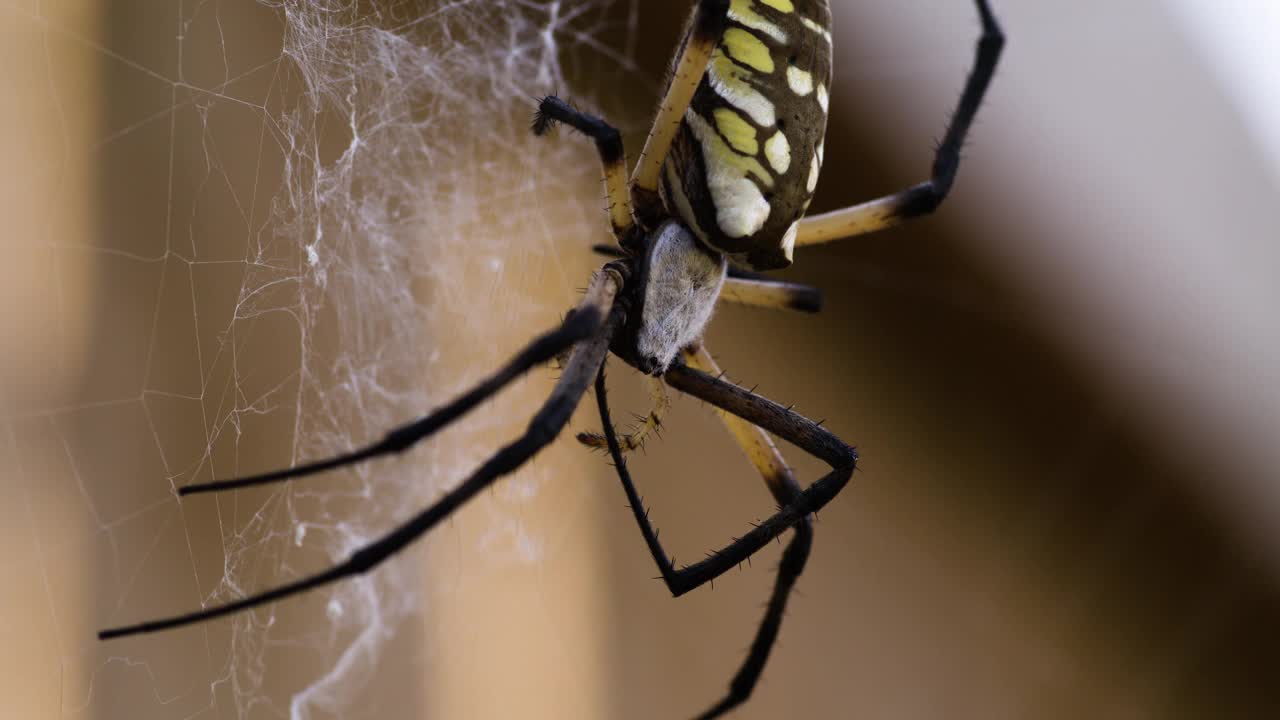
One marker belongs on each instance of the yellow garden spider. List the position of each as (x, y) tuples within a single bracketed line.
[(725, 177)]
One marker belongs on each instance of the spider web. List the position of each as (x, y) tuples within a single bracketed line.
[(250, 234)]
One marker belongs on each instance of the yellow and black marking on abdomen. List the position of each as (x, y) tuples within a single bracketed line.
[(744, 164)]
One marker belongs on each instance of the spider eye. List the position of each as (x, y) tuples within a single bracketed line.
[(650, 365)]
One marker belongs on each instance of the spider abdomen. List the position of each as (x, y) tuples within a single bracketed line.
[(744, 163)]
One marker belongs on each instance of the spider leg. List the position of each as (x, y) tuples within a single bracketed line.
[(613, 157), (706, 26), (780, 421), (774, 294), (651, 423), (542, 429), (745, 287), (755, 443), (796, 504), (924, 198), (576, 327), (763, 453)]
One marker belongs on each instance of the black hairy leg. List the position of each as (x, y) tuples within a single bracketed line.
[(796, 507), (924, 198), (591, 328)]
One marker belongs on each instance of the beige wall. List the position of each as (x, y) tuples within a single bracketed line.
[(43, 313)]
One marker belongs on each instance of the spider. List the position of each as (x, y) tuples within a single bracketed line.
[(724, 180)]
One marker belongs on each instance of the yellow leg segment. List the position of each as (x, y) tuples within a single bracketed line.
[(851, 222), (651, 423), (706, 27), (617, 195), (613, 158), (925, 197), (755, 442), (773, 294)]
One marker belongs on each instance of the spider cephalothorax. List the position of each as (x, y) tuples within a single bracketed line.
[(679, 281), (727, 172)]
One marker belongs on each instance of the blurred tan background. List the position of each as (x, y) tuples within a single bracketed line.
[(1065, 387)]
